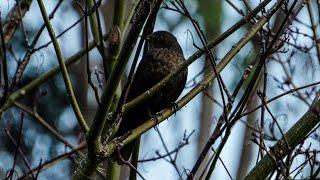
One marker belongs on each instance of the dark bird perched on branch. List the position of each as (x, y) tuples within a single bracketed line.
[(163, 56)]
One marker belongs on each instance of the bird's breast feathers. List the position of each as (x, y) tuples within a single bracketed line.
[(167, 59)]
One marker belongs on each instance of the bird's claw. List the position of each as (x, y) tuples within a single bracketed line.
[(155, 117), (174, 106)]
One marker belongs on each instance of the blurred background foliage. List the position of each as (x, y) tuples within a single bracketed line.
[(214, 16)]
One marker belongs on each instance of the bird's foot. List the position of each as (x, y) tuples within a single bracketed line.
[(155, 117), (174, 107)]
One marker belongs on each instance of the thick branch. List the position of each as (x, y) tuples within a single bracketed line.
[(293, 137), (94, 135)]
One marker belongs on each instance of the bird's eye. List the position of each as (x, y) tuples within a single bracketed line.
[(160, 38)]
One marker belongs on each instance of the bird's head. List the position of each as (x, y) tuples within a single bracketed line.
[(163, 39)]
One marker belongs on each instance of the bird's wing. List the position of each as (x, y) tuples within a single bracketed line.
[(142, 80)]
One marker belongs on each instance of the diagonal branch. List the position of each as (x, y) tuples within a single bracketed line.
[(144, 97), (44, 77), (297, 133), (14, 18)]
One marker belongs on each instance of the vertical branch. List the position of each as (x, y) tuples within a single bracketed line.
[(314, 28), (134, 160), (98, 27), (64, 70), (93, 20), (113, 170), (116, 31), (94, 135), (4, 65), (212, 28), (141, 14), (119, 8)]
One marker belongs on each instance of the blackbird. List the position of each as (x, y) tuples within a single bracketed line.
[(163, 56)]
